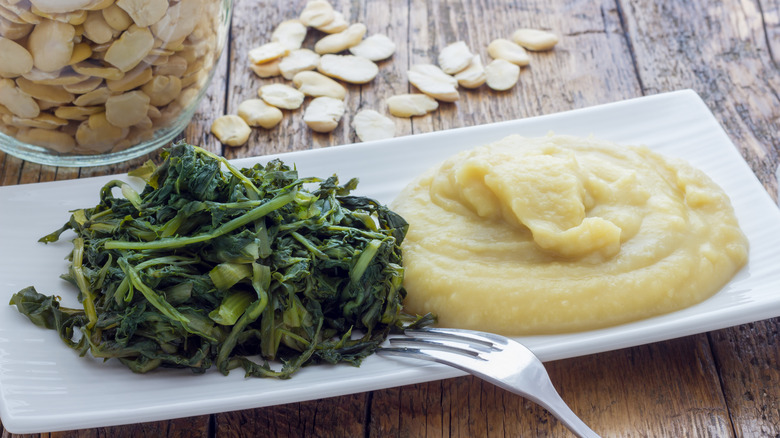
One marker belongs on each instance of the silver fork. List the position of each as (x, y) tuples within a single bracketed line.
[(494, 358)]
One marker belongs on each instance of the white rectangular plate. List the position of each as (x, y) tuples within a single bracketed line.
[(45, 386)]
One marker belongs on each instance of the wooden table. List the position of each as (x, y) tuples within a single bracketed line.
[(722, 383)]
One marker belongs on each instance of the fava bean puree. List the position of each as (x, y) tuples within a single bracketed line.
[(561, 234)]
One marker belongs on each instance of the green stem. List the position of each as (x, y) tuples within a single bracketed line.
[(178, 242)]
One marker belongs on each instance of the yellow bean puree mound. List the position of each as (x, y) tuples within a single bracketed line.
[(561, 234)]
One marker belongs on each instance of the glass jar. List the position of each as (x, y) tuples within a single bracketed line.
[(93, 82)]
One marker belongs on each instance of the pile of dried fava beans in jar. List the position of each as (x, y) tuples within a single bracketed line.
[(98, 76)]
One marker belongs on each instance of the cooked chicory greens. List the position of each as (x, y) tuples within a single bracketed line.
[(207, 267)]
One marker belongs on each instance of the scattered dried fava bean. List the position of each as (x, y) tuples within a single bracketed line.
[(281, 96), (435, 71), (508, 51), (536, 40), (312, 83), (231, 130), (501, 74), (376, 48), (370, 125), (341, 41), (256, 112), (323, 114), (409, 105), (348, 68), (290, 33), (338, 24), (267, 69), (297, 61), (15, 60), (268, 52), (317, 13), (434, 86), (474, 75), (455, 57)]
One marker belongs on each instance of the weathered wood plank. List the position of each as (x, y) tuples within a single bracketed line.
[(720, 50), (749, 364), (331, 417), (191, 427)]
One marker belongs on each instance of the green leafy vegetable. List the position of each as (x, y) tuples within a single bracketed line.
[(207, 267)]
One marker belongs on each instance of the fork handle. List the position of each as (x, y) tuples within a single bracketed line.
[(545, 395)]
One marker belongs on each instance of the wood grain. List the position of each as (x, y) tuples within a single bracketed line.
[(724, 383)]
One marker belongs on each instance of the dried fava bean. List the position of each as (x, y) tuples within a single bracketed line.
[(51, 45), (130, 48), (536, 40), (61, 6), (14, 31), (77, 112), (338, 24), (508, 51), (341, 41), (81, 52), (268, 52), (15, 60), (179, 21), (128, 109), (474, 75), (96, 134), (323, 114), (455, 57), (84, 86), (17, 101), (267, 69), (116, 17), (317, 13), (49, 93), (312, 83), (96, 29), (176, 66), (136, 77), (348, 68), (435, 71), (281, 96), (43, 121), (370, 125), (91, 68), (297, 61), (98, 96), (376, 48), (162, 90), (434, 86), (408, 105), (501, 74), (231, 130), (256, 112), (144, 12), (55, 140), (291, 33)]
